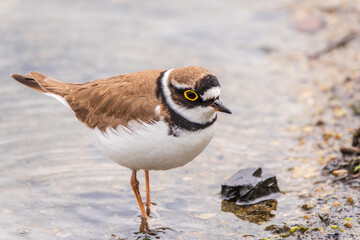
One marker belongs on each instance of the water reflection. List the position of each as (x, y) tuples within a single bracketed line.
[(145, 232), (255, 213)]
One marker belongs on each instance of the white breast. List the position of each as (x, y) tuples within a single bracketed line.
[(150, 147)]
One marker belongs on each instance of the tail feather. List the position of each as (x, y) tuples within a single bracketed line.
[(51, 87), (29, 81), (44, 84)]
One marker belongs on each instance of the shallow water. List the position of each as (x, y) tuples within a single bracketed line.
[(55, 184)]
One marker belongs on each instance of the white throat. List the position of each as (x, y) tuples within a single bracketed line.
[(199, 114)]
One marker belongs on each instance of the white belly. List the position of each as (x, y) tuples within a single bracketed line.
[(150, 147)]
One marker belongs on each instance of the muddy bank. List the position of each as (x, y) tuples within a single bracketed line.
[(330, 86)]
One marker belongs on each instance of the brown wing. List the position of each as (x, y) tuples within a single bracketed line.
[(107, 102)]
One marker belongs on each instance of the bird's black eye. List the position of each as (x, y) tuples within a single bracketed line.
[(191, 95)]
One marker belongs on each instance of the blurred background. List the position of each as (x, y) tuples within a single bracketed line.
[(55, 184)]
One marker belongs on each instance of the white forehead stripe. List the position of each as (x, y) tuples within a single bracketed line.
[(199, 114), (213, 92), (180, 85)]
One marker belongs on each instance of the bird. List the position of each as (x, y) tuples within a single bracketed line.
[(147, 120)]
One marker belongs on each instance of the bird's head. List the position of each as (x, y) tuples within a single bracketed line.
[(194, 93)]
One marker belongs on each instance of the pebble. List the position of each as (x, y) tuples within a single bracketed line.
[(327, 135), (308, 206), (206, 216), (350, 200), (308, 129), (336, 204), (348, 225), (304, 172), (339, 172), (339, 112)]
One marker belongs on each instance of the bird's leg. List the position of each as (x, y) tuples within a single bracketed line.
[(144, 226), (135, 187), (147, 182)]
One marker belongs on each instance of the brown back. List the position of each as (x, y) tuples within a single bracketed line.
[(108, 102)]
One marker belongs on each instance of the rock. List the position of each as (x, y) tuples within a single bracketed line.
[(325, 218), (339, 112), (339, 172), (327, 135), (304, 172), (308, 206), (356, 138), (350, 200), (247, 186), (345, 168), (356, 108), (348, 225), (278, 228), (334, 164), (205, 216)]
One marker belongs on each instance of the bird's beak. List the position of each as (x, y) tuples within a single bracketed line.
[(219, 106)]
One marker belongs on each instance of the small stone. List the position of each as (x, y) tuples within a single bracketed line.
[(206, 216), (327, 135), (338, 136), (321, 160), (348, 225), (308, 129), (331, 157), (301, 141), (350, 200), (325, 87), (248, 236), (319, 123), (339, 172), (339, 112), (356, 108), (304, 172), (187, 179), (325, 218), (307, 217), (336, 204), (308, 206), (24, 231)]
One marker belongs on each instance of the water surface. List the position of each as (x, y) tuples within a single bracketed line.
[(54, 182)]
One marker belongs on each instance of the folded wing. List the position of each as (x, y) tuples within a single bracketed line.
[(106, 102)]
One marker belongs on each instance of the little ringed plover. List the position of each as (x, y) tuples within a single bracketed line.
[(148, 120)]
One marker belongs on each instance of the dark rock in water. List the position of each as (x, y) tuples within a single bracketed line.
[(247, 186)]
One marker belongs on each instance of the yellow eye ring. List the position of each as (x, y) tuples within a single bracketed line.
[(191, 95)]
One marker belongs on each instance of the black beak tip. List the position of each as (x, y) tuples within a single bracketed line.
[(219, 106)]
